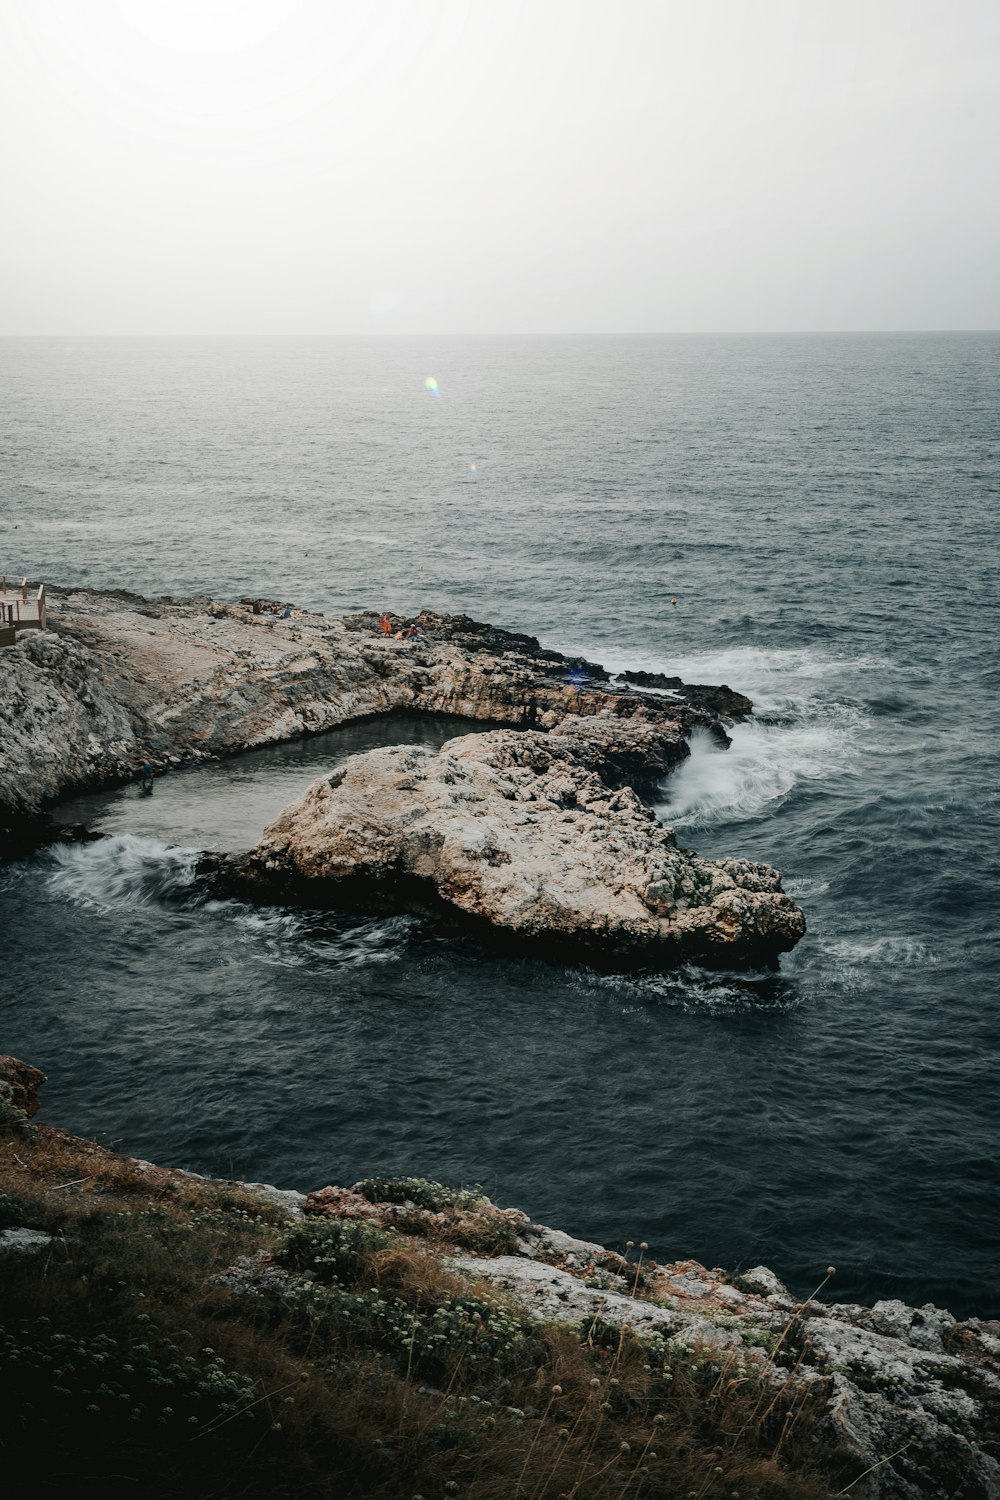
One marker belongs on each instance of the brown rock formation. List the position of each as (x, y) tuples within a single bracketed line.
[(19, 1084)]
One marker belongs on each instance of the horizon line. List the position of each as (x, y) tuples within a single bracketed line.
[(524, 334)]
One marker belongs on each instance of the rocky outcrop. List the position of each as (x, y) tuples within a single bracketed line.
[(19, 1085), (66, 724), (721, 701), (525, 834), (910, 1393), (119, 679), (537, 835)]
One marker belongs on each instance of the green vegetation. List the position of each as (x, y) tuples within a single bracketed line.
[(334, 1249), (421, 1192), (182, 1338), (459, 1217), (11, 1115)]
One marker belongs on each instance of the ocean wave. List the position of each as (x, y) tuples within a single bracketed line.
[(308, 940), (125, 871), (778, 679), (893, 949), (773, 676), (122, 870), (804, 730), (699, 991), (276, 931), (804, 888), (854, 965), (764, 763)]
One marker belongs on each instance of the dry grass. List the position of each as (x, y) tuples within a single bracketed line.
[(314, 1389)]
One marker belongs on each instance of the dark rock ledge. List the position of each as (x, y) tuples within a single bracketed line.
[(534, 832)]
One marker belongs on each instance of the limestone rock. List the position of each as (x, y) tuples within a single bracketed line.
[(519, 832), (919, 1423), (118, 679), (551, 1293), (288, 1200), (536, 835), (763, 1283), (64, 724), (24, 1241)]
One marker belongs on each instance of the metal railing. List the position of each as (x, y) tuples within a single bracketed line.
[(22, 607)]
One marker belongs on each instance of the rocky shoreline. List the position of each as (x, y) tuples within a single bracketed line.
[(118, 678), (535, 833), (904, 1402)]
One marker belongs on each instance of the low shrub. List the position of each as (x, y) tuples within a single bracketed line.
[(421, 1192), (431, 1340), (100, 1382), (12, 1116), (484, 1234), (334, 1249), (15, 1211)]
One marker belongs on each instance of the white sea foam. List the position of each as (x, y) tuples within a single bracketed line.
[(803, 728), (776, 678), (125, 871), (697, 990), (894, 950), (854, 965), (805, 888), (811, 735), (274, 932), (290, 940), (377, 940), (762, 765), (121, 871)]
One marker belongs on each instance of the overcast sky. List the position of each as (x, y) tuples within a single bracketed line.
[(493, 166)]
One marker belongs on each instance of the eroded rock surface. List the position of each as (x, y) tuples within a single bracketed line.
[(537, 834), (119, 679), (521, 831)]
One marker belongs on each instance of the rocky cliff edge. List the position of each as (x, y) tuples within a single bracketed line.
[(670, 1378)]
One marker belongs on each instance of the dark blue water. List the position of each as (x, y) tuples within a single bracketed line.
[(822, 509)]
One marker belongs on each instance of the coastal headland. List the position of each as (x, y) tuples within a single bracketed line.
[(434, 1343), (536, 832)]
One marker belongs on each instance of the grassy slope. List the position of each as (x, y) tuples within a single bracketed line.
[(341, 1358)]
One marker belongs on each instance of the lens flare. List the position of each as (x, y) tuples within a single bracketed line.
[(431, 385)]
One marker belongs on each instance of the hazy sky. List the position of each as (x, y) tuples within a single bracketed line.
[(480, 166)]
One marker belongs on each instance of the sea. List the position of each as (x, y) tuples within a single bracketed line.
[(810, 519)]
